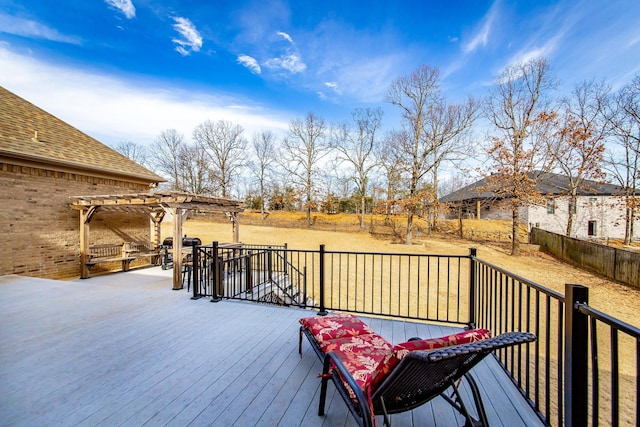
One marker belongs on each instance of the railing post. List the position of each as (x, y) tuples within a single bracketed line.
[(248, 273), (323, 310), (576, 370), (214, 272), (270, 263), (473, 252), (304, 284), (195, 271)]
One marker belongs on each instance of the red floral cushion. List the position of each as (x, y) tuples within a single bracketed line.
[(402, 349), (335, 326), (464, 337), (364, 356)]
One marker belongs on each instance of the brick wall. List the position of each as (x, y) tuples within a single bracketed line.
[(41, 233)]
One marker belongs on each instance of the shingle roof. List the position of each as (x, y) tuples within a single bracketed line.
[(59, 143), (547, 183)]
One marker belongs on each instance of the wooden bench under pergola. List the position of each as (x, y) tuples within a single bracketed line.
[(156, 205)]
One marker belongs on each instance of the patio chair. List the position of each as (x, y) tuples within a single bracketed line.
[(375, 378)]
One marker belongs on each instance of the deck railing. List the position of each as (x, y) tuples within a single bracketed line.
[(507, 302), (563, 375)]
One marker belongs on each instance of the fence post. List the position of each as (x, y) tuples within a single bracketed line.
[(323, 310), (473, 252), (576, 370), (195, 271), (248, 273), (215, 277)]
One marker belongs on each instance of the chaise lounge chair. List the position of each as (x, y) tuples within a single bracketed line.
[(376, 378)]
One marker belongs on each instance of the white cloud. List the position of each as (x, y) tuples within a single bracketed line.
[(334, 87), (290, 62), (529, 53), (124, 6), (113, 110), (285, 36), (250, 63), (190, 41), (481, 37), (32, 29)]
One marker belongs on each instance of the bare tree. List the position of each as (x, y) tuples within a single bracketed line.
[(133, 151), (265, 154), (516, 108), (623, 115), (390, 165), (194, 170), (446, 128), (356, 146), (578, 146), (414, 95), (301, 153), (166, 151), (224, 145)]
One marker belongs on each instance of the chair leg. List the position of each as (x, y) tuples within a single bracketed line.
[(475, 391), (300, 343), (323, 385), (387, 420), (456, 401)]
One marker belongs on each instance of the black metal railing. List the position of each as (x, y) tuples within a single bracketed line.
[(562, 374), (507, 302), (411, 286), (604, 359)]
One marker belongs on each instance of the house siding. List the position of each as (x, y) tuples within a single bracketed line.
[(501, 209), (606, 211), (41, 231)]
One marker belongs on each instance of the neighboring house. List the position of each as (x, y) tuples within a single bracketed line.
[(599, 211), (43, 162)]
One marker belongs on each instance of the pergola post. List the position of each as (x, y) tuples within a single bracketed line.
[(236, 227), (85, 219), (179, 215), (155, 218)]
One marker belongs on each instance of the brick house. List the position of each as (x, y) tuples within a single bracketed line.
[(43, 162), (599, 210)]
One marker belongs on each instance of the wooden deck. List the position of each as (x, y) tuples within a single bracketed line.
[(125, 349)]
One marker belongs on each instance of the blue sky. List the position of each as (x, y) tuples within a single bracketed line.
[(124, 70)]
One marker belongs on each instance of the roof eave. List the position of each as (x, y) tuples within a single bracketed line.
[(22, 159)]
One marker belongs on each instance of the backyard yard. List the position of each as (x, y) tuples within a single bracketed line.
[(610, 297)]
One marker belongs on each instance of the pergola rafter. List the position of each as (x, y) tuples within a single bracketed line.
[(156, 205)]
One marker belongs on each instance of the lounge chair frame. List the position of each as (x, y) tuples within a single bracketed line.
[(419, 377)]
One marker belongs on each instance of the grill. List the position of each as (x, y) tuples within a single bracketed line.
[(186, 241), (167, 244)]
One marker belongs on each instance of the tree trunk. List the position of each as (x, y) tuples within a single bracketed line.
[(460, 231), (262, 201), (409, 240), (434, 225), (362, 218), (628, 225), (515, 238), (572, 207), (387, 207)]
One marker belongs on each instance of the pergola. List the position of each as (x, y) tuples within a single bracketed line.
[(156, 205)]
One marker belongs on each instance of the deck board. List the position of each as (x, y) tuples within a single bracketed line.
[(125, 349)]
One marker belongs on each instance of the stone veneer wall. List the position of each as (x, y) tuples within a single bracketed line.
[(41, 233)]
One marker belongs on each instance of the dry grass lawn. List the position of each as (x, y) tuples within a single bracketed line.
[(605, 295)]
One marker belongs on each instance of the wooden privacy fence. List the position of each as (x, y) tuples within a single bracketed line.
[(614, 263)]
